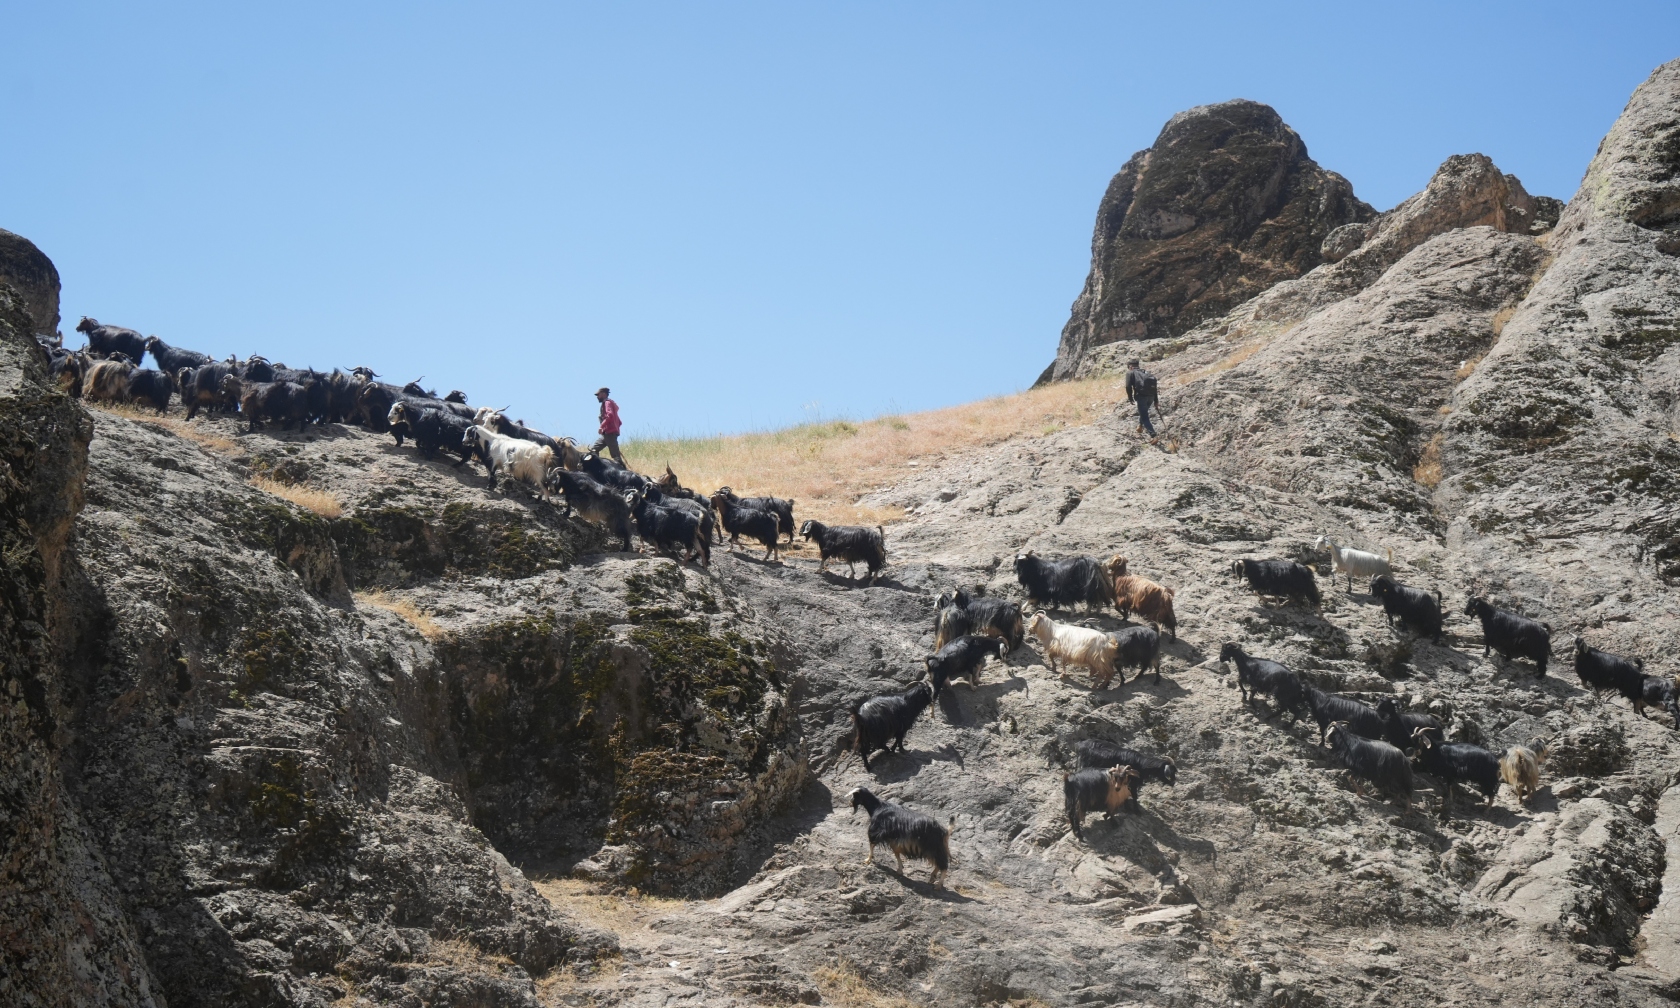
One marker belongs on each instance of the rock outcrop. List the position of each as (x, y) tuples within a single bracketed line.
[(35, 278), (1225, 204)]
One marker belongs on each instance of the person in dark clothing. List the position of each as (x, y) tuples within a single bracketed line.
[(1141, 389)]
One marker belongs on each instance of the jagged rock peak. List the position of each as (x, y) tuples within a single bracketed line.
[(1468, 190), (29, 270), (1224, 205)]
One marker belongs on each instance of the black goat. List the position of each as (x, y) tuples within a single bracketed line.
[(881, 722), (1416, 608), (105, 340), (1063, 583), (962, 657), (1663, 693), (1452, 762), (602, 505), (850, 543), (67, 368), (254, 368), (151, 387), (780, 507), (667, 528), (1400, 727), (1262, 675), (760, 525), (1328, 708), (457, 396), (282, 402), (708, 520), (1601, 670), (173, 359), (957, 613), (1100, 754), (201, 388), (434, 430), (1378, 762), (908, 834), (1511, 635), (1279, 577), (1140, 646), (1105, 791), (610, 473), (342, 390)]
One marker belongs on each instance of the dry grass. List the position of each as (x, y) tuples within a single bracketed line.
[(826, 467), (175, 425), (403, 607), (463, 955), (841, 985), (1468, 368), (307, 497), (1428, 470), (615, 912)]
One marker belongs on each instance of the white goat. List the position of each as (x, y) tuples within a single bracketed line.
[(523, 460), (1352, 562), (1075, 645)]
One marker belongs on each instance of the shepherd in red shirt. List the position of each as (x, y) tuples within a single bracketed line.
[(609, 426)]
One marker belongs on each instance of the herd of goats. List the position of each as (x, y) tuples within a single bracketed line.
[(1377, 744)]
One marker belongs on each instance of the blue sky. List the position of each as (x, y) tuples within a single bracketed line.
[(737, 215)]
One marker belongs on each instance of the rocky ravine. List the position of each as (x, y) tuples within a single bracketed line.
[(241, 783)]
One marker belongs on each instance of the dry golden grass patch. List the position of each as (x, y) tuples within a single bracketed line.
[(175, 425), (403, 607), (463, 955), (1468, 368), (1428, 469), (308, 497), (825, 467), (842, 985)]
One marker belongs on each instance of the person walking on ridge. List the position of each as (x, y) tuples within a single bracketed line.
[(1141, 389), (610, 426)]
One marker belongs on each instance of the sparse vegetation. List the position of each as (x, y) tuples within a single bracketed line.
[(403, 607), (1427, 472), (1225, 363), (307, 497), (179, 426), (827, 466), (842, 985)]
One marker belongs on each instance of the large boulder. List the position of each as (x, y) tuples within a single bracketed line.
[(1224, 205), (34, 277)]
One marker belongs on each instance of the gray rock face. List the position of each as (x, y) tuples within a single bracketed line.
[(34, 277), (1224, 205)]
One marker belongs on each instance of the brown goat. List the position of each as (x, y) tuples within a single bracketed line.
[(1141, 595)]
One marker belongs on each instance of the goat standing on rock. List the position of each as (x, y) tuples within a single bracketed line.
[(849, 543), (907, 834), (1350, 561), (882, 722), (1076, 645), (1511, 635)]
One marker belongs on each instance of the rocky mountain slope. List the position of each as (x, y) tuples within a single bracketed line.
[(443, 748)]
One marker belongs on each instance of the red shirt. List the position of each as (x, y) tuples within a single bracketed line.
[(609, 417)]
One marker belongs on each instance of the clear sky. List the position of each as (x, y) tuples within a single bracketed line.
[(737, 215)]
